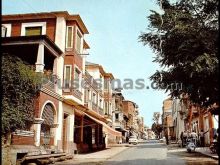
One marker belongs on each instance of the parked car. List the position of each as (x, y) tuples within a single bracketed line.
[(133, 140)]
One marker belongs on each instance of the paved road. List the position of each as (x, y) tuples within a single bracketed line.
[(151, 153)]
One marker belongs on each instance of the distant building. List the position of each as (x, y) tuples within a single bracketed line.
[(167, 120)]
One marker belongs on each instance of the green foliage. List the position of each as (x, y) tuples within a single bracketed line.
[(156, 117), (157, 128), (185, 43), (19, 84)]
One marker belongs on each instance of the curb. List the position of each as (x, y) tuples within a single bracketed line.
[(207, 155), (105, 158)]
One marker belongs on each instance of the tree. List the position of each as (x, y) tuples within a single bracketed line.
[(19, 89), (156, 117), (184, 37), (157, 129)]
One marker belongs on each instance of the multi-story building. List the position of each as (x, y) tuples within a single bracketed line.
[(198, 119), (119, 118), (102, 99), (191, 117), (130, 110), (167, 121), (53, 43)]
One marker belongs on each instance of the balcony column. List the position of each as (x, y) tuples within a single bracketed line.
[(40, 58)]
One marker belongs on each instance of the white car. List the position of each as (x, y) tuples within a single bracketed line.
[(133, 140)]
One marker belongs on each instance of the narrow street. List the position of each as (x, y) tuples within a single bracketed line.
[(149, 153)]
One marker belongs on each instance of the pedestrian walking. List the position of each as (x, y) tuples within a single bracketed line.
[(167, 138), (194, 137), (181, 137), (184, 138), (202, 138)]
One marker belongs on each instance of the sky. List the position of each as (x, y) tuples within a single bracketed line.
[(114, 27)]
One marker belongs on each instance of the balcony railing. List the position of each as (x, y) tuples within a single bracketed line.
[(77, 94), (50, 81), (90, 80)]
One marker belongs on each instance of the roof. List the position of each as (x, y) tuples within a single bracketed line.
[(94, 65), (44, 15), (85, 44), (90, 63)]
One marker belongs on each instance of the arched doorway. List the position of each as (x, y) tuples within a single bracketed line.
[(47, 135)]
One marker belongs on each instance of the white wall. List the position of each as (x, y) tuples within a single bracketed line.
[(60, 33)]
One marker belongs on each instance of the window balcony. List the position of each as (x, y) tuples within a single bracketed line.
[(50, 81), (74, 92)]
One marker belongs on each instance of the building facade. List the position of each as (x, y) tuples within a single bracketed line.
[(68, 118)]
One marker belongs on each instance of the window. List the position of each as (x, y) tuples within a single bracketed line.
[(67, 76), (33, 31), (106, 108), (116, 116), (78, 42), (100, 102), (94, 98), (87, 95), (69, 37), (4, 31), (77, 78)]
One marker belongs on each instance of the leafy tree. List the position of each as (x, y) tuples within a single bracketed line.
[(184, 37), (157, 128), (156, 117), (19, 89)]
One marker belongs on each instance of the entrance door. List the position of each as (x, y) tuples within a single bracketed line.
[(46, 126)]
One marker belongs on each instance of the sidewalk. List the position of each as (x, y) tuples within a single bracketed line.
[(94, 157), (206, 151), (203, 150)]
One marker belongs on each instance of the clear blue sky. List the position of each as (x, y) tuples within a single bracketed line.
[(114, 27)]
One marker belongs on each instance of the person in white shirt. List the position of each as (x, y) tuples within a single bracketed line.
[(194, 137)]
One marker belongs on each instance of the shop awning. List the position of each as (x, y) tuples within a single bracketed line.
[(106, 128)]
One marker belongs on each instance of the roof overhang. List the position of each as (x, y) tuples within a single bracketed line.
[(46, 15)]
